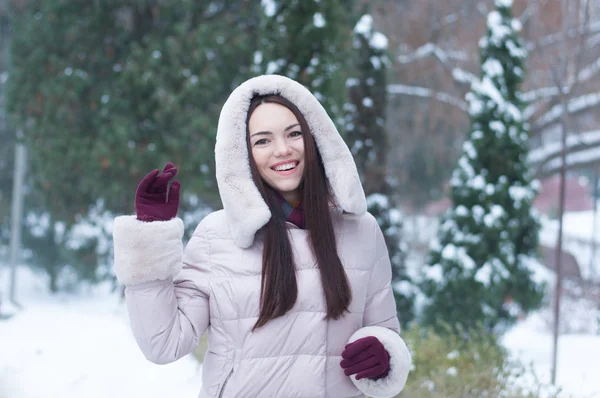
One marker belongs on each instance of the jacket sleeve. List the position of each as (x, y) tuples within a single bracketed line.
[(381, 320), (166, 289)]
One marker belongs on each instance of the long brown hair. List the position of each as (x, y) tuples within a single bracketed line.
[(279, 289)]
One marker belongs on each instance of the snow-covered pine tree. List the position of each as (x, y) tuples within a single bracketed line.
[(364, 130), (477, 272), (308, 41)]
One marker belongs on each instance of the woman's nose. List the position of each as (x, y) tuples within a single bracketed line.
[(282, 148)]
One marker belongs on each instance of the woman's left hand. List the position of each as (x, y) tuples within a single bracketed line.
[(366, 357)]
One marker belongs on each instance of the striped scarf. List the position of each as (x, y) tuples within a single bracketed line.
[(293, 212)]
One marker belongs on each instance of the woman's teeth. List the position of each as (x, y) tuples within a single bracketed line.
[(285, 167)]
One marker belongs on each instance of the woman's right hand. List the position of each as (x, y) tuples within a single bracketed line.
[(154, 199)]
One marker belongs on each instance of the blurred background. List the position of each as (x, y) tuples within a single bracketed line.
[(474, 124)]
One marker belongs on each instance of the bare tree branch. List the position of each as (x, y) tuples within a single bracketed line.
[(542, 156), (531, 10), (462, 76), (401, 89), (540, 93), (575, 106), (575, 161), (557, 38)]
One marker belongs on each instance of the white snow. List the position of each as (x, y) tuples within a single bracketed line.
[(364, 25), (469, 149), (379, 41), (497, 29), (498, 127), (270, 7), (258, 57), (484, 274), (377, 199), (428, 49), (504, 3), (578, 230), (80, 345), (492, 67), (578, 356), (426, 93), (319, 20)]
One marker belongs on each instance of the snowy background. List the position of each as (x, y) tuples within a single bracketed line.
[(80, 345)]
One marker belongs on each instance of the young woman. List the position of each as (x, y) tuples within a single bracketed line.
[(291, 280)]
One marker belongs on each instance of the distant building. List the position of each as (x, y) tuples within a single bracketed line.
[(578, 196)]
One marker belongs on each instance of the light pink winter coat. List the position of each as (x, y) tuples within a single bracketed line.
[(175, 295)]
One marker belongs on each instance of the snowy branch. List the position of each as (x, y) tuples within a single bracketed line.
[(544, 156), (575, 105), (557, 37), (424, 92), (540, 93), (432, 49), (586, 73), (575, 160), (463, 76)]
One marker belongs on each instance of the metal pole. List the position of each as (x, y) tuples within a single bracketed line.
[(4, 39), (592, 269), (16, 217), (565, 124), (558, 258)]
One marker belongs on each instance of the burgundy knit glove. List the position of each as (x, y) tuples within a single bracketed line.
[(154, 200), (366, 357)]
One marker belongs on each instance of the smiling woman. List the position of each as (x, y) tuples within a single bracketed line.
[(292, 279), (277, 146)]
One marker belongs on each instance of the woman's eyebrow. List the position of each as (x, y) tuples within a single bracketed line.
[(291, 126), (268, 132)]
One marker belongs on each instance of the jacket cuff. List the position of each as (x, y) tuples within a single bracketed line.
[(400, 363), (147, 251)]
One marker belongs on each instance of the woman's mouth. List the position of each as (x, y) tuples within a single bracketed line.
[(286, 168)]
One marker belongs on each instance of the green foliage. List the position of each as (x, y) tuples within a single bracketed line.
[(364, 131), (104, 92), (478, 269), (309, 41), (107, 91), (448, 365)]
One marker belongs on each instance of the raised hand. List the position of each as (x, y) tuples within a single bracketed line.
[(154, 199)]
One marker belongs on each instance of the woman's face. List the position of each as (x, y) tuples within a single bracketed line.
[(277, 147)]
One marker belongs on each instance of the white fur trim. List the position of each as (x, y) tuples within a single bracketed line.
[(400, 363), (147, 251), (245, 208)]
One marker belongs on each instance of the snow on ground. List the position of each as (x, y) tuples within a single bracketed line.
[(577, 239), (74, 346), (80, 345), (578, 356)]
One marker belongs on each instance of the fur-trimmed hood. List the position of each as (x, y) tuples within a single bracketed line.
[(244, 206)]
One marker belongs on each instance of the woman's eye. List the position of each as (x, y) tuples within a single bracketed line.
[(296, 133), (261, 141)]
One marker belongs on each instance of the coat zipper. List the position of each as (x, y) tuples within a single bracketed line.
[(225, 384)]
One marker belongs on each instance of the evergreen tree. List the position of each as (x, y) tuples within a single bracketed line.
[(308, 41), (106, 91), (365, 132), (478, 274), (7, 137)]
